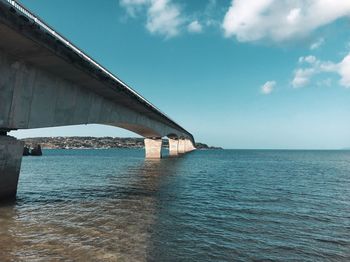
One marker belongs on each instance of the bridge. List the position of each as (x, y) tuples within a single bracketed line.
[(46, 81)]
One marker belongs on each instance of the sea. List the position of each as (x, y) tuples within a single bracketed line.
[(210, 205)]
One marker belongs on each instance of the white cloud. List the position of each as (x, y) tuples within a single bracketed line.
[(163, 16), (344, 71), (303, 75), (308, 59), (317, 44), (293, 16), (195, 27), (280, 20), (268, 87), (133, 6)]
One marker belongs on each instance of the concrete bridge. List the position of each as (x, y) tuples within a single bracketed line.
[(46, 81)]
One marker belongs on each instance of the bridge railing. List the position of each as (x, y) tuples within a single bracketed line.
[(58, 36)]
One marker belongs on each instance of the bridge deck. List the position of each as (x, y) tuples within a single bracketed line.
[(26, 37)]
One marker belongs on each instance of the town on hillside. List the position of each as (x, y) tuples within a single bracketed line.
[(94, 143)]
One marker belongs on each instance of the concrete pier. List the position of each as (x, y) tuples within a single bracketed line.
[(153, 148), (182, 146), (173, 147), (11, 151), (189, 146)]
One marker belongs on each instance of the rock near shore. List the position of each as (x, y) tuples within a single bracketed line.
[(32, 151)]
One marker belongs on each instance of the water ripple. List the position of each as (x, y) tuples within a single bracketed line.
[(239, 205)]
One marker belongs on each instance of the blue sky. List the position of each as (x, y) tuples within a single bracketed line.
[(236, 74)]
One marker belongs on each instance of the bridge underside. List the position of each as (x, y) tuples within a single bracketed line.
[(31, 97), (45, 82)]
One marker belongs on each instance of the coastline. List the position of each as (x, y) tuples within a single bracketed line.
[(88, 142)]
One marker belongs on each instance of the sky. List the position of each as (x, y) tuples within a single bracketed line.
[(241, 74)]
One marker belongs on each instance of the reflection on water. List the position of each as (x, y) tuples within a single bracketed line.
[(112, 205), (108, 220)]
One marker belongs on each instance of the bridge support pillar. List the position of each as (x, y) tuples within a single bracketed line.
[(189, 146), (11, 151), (153, 148), (182, 146), (173, 147)]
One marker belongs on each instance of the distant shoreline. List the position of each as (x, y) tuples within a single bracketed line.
[(88, 142)]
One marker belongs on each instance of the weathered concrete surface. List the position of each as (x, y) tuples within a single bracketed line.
[(11, 151), (182, 146), (33, 98), (189, 146), (153, 148), (173, 147)]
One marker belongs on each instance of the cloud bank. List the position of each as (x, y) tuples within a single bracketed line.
[(280, 20)]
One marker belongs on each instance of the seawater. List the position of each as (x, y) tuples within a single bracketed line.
[(221, 205)]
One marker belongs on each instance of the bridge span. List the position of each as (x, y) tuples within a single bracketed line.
[(46, 81)]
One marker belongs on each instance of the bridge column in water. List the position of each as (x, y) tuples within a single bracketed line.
[(173, 147), (182, 146), (153, 148), (11, 151), (189, 146)]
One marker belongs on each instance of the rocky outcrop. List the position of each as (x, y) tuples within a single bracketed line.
[(35, 151), (26, 151), (206, 147)]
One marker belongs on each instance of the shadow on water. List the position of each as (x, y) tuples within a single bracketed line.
[(110, 221)]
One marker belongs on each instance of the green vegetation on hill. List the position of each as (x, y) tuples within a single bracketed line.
[(93, 142)]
